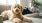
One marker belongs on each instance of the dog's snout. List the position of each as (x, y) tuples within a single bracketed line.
[(16, 10)]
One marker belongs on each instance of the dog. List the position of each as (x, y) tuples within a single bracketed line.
[(15, 14)]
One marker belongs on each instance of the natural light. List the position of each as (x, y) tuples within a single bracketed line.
[(9, 2)]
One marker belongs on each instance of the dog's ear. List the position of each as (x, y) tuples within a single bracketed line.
[(21, 9), (12, 7)]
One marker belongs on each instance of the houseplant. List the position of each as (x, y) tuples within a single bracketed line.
[(36, 3)]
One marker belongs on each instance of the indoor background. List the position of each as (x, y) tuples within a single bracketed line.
[(36, 16)]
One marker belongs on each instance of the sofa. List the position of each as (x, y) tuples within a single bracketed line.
[(34, 20)]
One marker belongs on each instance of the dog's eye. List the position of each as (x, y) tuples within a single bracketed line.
[(19, 7)]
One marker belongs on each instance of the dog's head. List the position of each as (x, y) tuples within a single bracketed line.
[(17, 8)]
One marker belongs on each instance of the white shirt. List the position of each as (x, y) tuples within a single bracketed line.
[(31, 8)]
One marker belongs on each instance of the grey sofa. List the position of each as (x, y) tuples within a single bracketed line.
[(34, 20)]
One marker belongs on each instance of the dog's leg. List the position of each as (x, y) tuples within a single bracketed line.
[(27, 19), (4, 15), (11, 17), (17, 20)]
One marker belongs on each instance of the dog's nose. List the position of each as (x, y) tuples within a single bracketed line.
[(16, 10)]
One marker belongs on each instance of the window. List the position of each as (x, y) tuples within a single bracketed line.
[(9, 2), (2, 1)]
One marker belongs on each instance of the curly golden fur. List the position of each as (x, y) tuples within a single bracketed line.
[(15, 14)]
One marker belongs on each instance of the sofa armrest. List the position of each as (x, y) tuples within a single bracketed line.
[(1, 19)]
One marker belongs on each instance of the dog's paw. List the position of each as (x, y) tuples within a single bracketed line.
[(17, 20)]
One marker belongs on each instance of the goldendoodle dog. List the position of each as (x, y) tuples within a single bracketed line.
[(15, 14)]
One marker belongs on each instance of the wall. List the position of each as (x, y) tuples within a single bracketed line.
[(25, 2)]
